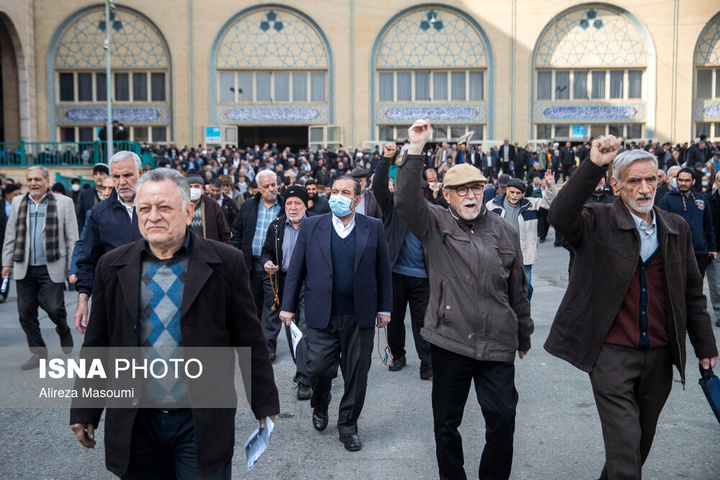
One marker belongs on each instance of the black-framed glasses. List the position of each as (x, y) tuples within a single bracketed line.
[(476, 189)]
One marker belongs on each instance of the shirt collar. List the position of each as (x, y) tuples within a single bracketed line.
[(641, 224), (338, 224), (180, 252)]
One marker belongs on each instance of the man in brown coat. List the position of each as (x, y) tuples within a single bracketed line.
[(634, 293)]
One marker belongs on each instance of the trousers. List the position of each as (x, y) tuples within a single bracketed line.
[(497, 396), (415, 291), (38, 290), (630, 387), (342, 344), (163, 448)]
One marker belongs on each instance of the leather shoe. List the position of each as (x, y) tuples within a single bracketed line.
[(397, 364), (351, 441), (717, 322), (426, 374), (320, 419), (66, 342), (304, 392), (31, 363)]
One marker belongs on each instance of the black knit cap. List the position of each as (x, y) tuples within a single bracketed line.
[(297, 191)]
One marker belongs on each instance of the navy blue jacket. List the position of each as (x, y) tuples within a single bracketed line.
[(373, 278), (697, 214), (108, 227)]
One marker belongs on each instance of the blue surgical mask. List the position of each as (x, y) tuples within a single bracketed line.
[(673, 182), (340, 205)]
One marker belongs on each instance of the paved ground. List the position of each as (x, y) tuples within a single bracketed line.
[(557, 437)]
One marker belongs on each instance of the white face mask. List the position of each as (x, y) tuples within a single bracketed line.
[(195, 194), (75, 187)]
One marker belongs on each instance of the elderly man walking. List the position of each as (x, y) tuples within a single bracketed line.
[(156, 293), (39, 239), (635, 293), (478, 317)]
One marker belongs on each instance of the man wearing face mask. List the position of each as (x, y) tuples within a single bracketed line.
[(208, 219), (670, 184), (522, 213), (349, 292), (695, 209)]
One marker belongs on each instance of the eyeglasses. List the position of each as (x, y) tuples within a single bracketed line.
[(476, 189)]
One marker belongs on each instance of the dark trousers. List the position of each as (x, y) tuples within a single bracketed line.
[(567, 170), (269, 318), (415, 291), (163, 448), (300, 357), (257, 275), (345, 344), (543, 226), (496, 394), (630, 387), (37, 289), (702, 262)]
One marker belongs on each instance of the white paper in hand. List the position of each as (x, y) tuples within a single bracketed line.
[(296, 336), (258, 442)]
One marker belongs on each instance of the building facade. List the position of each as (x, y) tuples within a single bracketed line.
[(353, 72)]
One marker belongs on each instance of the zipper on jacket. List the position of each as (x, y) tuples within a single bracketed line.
[(442, 302), (672, 309)]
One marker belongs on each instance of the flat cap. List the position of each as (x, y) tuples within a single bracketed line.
[(358, 172), (462, 175), (503, 180)]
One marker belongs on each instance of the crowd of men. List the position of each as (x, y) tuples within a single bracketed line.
[(336, 243)]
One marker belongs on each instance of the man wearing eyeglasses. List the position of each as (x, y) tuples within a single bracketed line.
[(478, 314)]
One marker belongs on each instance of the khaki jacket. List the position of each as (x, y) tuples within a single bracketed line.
[(478, 303)]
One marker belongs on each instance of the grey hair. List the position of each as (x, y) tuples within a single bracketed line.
[(265, 173), (673, 168), (45, 173), (162, 174), (124, 155), (627, 158)]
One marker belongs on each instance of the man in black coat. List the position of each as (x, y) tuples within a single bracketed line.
[(409, 274), (248, 234), (172, 436), (567, 160), (90, 197)]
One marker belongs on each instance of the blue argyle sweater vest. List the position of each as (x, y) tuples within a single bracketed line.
[(161, 291)]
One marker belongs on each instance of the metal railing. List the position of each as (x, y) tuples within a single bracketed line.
[(22, 154)]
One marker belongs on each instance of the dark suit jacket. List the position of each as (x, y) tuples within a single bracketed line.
[(373, 279), (217, 310), (3, 220), (86, 201)]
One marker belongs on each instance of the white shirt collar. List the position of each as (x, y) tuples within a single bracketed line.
[(341, 229)]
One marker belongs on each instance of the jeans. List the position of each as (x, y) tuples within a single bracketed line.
[(163, 448), (37, 289), (528, 275), (496, 394)]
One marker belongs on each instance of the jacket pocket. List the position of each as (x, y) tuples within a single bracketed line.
[(445, 304)]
